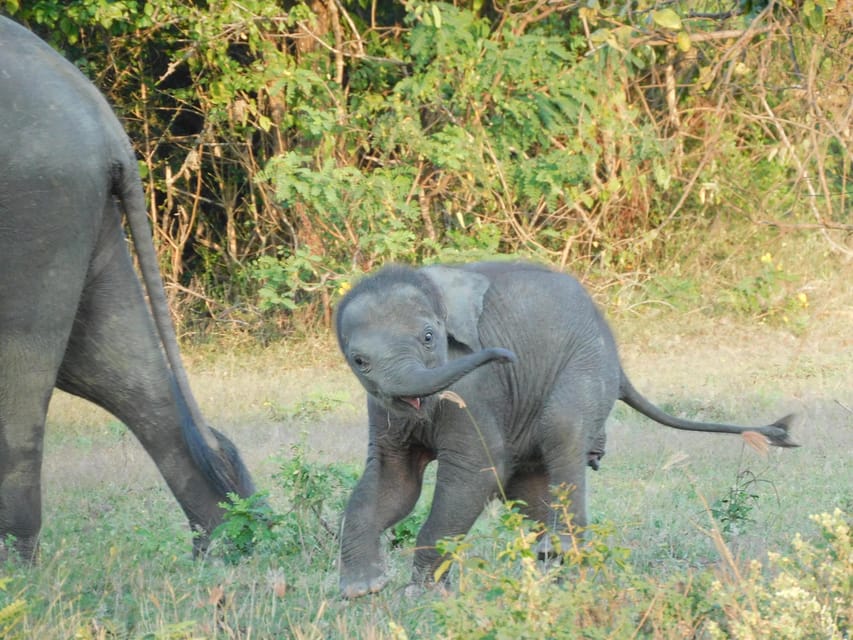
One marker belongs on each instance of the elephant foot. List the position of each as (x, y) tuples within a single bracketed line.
[(19, 551), (361, 587), (417, 588), (550, 555)]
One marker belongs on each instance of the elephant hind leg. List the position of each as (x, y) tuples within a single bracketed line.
[(530, 485), (114, 359), (26, 383), (572, 433), (35, 321)]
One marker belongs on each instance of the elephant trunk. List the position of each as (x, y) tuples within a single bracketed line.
[(417, 381)]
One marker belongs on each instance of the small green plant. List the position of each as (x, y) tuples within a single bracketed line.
[(12, 614), (405, 532), (316, 494), (310, 485), (507, 592), (248, 523), (732, 510), (808, 595), (314, 406)]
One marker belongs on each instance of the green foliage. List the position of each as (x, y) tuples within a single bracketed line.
[(248, 523), (732, 511), (511, 594), (12, 614), (682, 293), (505, 129), (768, 295), (309, 409), (594, 593), (310, 486), (178, 631), (105, 572), (284, 282), (358, 214), (315, 493), (807, 595), (287, 148), (405, 533)]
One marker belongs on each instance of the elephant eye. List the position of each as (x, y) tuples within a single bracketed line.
[(361, 362), (429, 337)]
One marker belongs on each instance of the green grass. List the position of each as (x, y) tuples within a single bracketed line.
[(115, 549), (116, 565)]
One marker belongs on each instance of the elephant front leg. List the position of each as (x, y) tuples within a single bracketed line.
[(460, 496), (386, 493)]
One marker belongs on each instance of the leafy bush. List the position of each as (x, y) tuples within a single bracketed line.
[(315, 493), (312, 486), (12, 614), (287, 147), (509, 593), (248, 523), (504, 591), (808, 594)]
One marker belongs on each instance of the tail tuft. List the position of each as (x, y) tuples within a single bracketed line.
[(777, 433)]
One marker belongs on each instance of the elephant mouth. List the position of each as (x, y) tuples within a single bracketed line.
[(407, 405), (415, 402)]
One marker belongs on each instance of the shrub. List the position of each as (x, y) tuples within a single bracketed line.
[(808, 594), (12, 614), (248, 523), (504, 592), (286, 147)]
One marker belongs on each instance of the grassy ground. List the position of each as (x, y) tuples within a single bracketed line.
[(115, 549)]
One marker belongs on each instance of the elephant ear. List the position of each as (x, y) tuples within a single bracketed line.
[(462, 292)]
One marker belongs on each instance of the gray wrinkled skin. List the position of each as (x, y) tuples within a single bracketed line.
[(534, 362), (72, 312)]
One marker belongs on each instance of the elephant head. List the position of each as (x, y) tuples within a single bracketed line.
[(397, 329)]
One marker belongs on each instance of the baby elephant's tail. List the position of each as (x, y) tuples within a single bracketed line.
[(776, 433)]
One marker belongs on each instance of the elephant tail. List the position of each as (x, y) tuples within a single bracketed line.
[(212, 452), (776, 433)]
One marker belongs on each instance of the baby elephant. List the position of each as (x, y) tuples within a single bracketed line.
[(537, 368)]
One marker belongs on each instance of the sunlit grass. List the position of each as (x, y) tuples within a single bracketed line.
[(116, 560)]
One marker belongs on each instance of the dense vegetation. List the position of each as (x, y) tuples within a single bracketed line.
[(286, 146)]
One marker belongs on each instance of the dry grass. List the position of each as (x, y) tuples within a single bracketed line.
[(653, 483), (717, 368)]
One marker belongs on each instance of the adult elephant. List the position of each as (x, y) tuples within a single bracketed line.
[(72, 312), (536, 365)]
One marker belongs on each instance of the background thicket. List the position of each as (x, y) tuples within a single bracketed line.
[(688, 159), (288, 146)]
